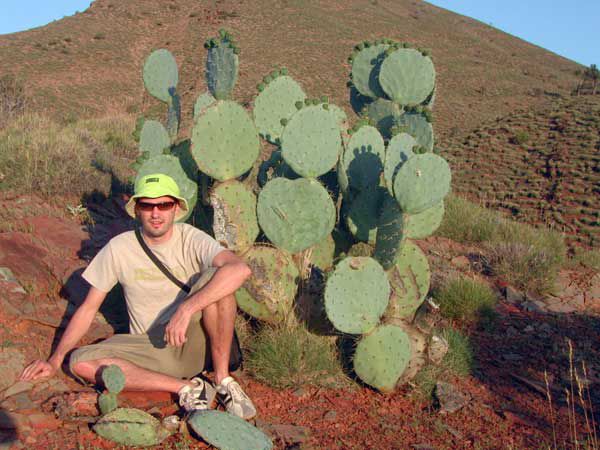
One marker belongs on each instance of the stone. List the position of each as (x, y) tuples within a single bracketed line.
[(12, 421), (289, 434), (461, 262), (20, 401), (12, 363), (450, 399), (563, 308), (17, 388), (593, 293), (528, 329), (534, 306), (330, 415), (438, 347), (512, 295), (44, 421), (300, 392)]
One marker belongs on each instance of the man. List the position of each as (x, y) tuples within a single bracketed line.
[(166, 344)]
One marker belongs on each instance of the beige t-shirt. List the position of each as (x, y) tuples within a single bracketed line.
[(151, 297)]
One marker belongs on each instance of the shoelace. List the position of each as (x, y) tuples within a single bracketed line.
[(193, 398), (236, 392)]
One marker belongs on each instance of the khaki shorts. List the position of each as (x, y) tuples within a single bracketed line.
[(150, 350)]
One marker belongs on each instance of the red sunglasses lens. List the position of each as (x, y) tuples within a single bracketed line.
[(164, 206)]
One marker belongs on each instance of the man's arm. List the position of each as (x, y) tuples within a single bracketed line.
[(77, 327), (231, 273)]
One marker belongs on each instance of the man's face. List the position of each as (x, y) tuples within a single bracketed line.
[(156, 222)]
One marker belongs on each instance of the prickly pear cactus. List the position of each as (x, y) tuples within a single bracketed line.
[(311, 142), (128, 426), (228, 432), (295, 214), (363, 157), (113, 379), (356, 295), (234, 215), (154, 138), (107, 402), (225, 141), (269, 294), (275, 103), (161, 75), (222, 64)]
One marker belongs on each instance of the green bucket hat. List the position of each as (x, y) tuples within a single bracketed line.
[(154, 186)]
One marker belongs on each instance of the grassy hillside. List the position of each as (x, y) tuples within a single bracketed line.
[(89, 64), (541, 167)]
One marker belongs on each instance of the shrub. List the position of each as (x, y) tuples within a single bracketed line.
[(527, 257), (520, 138), (458, 362), (12, 99), (289, 355), (467, 222), (465, 298), (589, 259)]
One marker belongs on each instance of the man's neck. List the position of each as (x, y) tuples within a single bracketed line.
[(151, 240)]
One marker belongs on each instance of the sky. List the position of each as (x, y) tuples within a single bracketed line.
[(563, 27), (567, 28)]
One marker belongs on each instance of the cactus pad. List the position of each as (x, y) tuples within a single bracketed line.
[(161, 75), (384, 113), (365, 70), (311, 141), (407, 77), (269, 294), (202, 102), (363, 212), (340, 114), (398, 151), (410, 278), (225, 142), (389, 232), (107, 402), (356, 295), (295, 214), (173, 166), (221, 70), (422, 182), (277, 101), (234, 220), (323, 253), (363, 158), (128, 426), (228, 432), (382, 356), (154, 138), (416, 125), (113, 379), (424, 224)]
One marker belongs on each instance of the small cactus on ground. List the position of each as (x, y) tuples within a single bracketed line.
[(128, 426)]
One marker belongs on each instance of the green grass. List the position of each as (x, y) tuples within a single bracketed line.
[(290, 356), (467, 222), (458, 362), (465, 299), (39, 155), (525, 256), (590, 259)]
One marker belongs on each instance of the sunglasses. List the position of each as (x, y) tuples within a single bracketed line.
[(148, 207)]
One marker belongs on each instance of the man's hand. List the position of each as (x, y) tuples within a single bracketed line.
[(177, 327), (38, 369)]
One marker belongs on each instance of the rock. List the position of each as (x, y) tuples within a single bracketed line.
[(593, 293), (300, 392), (562, 307), (512, 295), (461, 262), (17, 388), (534, 306), (12, 421), (528, 329), (450, 399), (330, 415), (21, 401), (12, 363), (438, 347), (545, 328), (511, 331), (290, 434), (11, 281), (44, 421)]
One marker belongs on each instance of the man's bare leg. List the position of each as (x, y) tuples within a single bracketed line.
[(136, 378), (219, 320)]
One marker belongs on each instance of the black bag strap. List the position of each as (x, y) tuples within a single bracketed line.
[(184, 287)]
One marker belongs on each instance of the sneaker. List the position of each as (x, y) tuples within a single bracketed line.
[(234, 399), (199, 397)]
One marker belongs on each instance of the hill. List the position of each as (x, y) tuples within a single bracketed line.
[(539, 167), (89, 64)]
